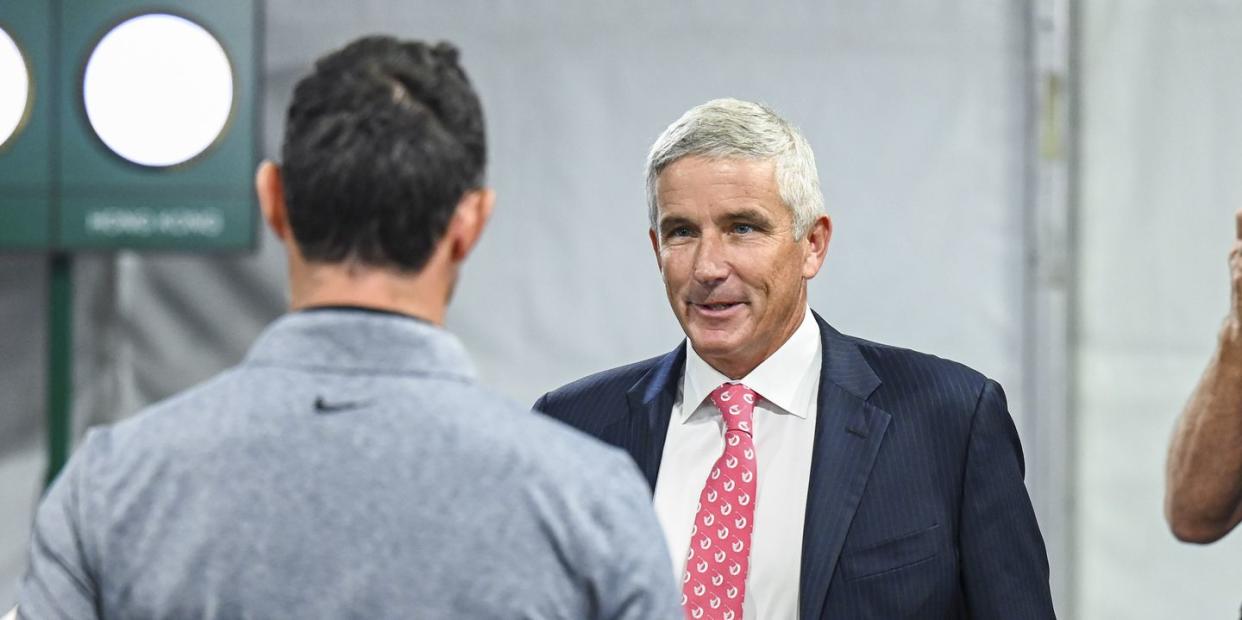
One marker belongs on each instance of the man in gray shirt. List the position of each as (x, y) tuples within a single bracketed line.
[(351, 466)]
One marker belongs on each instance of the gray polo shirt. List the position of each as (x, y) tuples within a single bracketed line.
[(350, 467)]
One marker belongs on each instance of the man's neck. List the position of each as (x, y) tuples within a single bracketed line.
[(736, 368), (421, 295)]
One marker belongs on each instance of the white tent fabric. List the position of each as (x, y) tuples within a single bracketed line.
[(1161, 178), (916, 111)]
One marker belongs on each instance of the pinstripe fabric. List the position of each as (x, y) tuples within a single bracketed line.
[(916, 506)]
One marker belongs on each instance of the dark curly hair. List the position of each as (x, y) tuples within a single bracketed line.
[(381, 142)]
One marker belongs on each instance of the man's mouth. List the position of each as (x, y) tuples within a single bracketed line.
[(717, 309)]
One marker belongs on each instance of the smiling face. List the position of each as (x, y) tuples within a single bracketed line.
[(734, 272)]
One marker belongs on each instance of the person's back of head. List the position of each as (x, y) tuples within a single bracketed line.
[(380, 193), (381, 142)]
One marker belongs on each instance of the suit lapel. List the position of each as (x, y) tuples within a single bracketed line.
[(650, 401), (848, 433)]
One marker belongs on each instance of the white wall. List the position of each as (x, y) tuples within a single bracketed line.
[(1162, 175)]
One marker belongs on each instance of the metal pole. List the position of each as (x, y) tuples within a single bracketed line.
[(59, 364), (1050, 287)]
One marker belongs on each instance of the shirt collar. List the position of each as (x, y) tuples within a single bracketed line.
[(781, 379), (345, 340), (365, 310)]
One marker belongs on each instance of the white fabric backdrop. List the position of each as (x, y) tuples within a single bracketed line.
[(915, 109), (1162, 175)]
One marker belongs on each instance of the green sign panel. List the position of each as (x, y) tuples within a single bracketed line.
[(143, 130), (25, 156)]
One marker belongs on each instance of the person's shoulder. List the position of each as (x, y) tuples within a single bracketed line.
[(147, 442), (590, 500), (177, 415), (928, 395), (911, 380), (599, 388), (509, 425), (538, 445), (901, 364)]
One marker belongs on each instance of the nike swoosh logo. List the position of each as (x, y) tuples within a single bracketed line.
[(323, 406)]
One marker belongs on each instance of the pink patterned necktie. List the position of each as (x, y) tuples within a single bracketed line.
[(714, 585)]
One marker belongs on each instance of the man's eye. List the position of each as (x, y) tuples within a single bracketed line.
[(680, 231), (743, 229)]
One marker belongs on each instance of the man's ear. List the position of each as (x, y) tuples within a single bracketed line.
[(271, 192), (817, 238), (464, 230)]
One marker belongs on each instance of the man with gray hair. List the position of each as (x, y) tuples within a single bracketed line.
[(798, 472)]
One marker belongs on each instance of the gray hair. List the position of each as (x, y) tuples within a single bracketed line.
[(731, 128)]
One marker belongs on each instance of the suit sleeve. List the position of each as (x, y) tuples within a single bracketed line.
[(1004, 563), (58, 581), (540, 404)]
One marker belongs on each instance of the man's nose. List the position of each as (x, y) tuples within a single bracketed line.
[(710, 264)]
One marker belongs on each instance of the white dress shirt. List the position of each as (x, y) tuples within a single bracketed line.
[(784, 435)]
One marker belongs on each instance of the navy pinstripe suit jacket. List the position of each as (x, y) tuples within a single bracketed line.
[(916, 506)]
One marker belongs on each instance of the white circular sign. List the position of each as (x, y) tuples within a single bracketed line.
[(158, 89), (14, 87)]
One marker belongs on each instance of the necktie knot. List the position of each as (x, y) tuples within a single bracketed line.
[(736, 403)]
